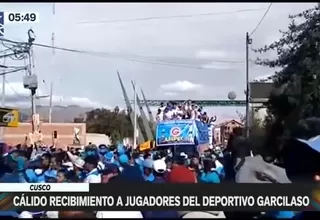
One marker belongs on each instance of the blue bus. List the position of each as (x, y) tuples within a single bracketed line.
[(188, 136)]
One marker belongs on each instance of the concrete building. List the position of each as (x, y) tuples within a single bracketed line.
[(261, 88), (97, 139), (223, 130), (65, 133), (217, 135)]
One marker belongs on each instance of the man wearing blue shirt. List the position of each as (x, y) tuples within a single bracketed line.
[(129, 173), (148, 170)]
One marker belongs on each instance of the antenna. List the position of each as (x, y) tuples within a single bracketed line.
[(50, 102), (52, 37), (53, 8), (52, 42)]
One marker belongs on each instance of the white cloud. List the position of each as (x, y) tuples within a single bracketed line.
[(209, 54), (216, 56), (219, 66), (17, 95), (181, 86), (170, 94), (193, 41)]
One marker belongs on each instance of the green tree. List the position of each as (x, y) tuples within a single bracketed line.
[(114, 123), (296, 94)]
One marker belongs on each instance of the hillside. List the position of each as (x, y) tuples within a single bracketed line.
[(59, 113)]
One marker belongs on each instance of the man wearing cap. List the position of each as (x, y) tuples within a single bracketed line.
[(50, 176), (209, 174), (129, 173), (159, 169), (108, 157), (77, 166), (180, 173), (17, 164), (109, 172), (148, 170), (103, 149), (91, 164)]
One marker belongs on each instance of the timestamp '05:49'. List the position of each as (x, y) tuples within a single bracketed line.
[(20, 17)]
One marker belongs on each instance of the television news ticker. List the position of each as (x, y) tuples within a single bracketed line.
[(78, 196)]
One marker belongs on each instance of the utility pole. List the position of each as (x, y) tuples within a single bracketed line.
[(50, 102), (32, 94), (135, 115), (247, 125), (32, 82)]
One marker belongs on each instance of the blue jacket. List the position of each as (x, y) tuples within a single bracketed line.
[(131, 173), (32, 177), (210, 177), (15, 177), (149, 178)]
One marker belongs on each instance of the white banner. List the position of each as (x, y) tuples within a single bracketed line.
[(44, 187)]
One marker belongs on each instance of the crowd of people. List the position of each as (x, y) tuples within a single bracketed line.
[(103, 164), (184, 110), (100, 164)]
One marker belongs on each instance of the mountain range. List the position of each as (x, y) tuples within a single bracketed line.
[(59, 113)]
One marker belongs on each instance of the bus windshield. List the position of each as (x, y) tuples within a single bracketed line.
[(190, 150)]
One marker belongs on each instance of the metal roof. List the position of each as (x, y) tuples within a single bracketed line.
[(265, 78)]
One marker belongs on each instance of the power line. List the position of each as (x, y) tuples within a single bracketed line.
[(113, 56), (109, 54), (123, 56), (12, 67), (13, 90), (266, 12), (170, 17), (136, 60), (13, 71)]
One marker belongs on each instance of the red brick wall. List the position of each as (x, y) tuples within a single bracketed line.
[(65, 133)]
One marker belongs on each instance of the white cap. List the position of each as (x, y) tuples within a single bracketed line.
[(38, 171), (77, 161), (25, 214), (183, 154), (71, 156), (159, 166), (52, 214), (67, 164), (119, 214)]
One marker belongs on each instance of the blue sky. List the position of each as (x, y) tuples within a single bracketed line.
[(130, 46)]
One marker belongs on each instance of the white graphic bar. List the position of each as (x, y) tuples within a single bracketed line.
[(44, 187)]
